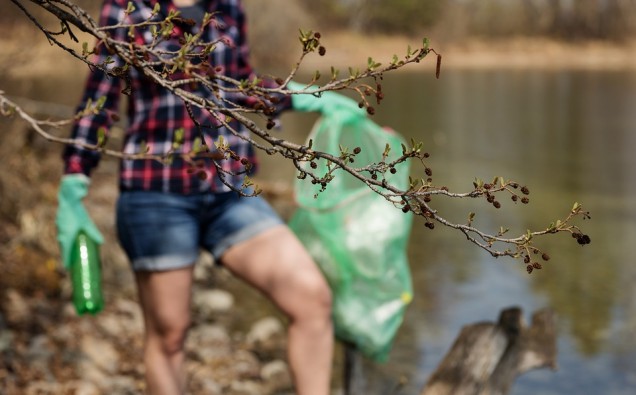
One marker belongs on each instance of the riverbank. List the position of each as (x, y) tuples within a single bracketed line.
[(344, 48), (47, 349)]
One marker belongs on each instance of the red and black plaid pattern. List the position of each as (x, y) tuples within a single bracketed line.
[(154, 113)]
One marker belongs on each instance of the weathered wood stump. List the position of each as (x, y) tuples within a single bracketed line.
[(487, 357)]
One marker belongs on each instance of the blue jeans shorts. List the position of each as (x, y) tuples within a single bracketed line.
[(163, 231)]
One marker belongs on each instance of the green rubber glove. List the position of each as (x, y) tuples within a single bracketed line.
[(328, 103), (72, 216)]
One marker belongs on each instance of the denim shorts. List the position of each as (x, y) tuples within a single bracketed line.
[(163, 231)]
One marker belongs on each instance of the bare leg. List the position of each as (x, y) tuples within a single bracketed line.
[(277, 264), (165, 301)]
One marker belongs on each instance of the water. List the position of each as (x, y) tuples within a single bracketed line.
[(568, 135)]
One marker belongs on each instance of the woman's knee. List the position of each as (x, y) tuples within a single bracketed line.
[(170, 336), (314, 299), (322, 294)]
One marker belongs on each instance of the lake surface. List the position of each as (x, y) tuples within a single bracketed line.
[(567, 135)]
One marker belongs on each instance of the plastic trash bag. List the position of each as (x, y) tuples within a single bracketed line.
[(356, 236)]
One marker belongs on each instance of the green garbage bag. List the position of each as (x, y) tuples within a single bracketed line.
[(356, 236)]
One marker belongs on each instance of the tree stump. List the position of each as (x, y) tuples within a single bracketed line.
[(487, 357)]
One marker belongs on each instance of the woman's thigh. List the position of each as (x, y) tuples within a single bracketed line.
[(276, 263)]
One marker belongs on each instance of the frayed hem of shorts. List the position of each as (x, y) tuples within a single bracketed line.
[(244, 234), (163, 263)]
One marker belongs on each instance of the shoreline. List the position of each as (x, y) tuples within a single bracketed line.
[(344, 49), (347, 49)]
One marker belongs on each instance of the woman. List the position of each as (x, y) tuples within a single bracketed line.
[(167, 212)]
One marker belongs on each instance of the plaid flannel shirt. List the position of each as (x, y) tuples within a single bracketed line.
[(154, 113)]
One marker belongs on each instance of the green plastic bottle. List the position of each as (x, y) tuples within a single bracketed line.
[(86, 276)]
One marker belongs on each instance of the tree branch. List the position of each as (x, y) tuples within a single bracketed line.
[(161, 67)]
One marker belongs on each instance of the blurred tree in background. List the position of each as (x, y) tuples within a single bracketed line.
[(566, 19), (593, 18), (388, 16), (448, 19)]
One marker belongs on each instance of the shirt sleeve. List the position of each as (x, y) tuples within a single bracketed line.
[(99, 86)]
